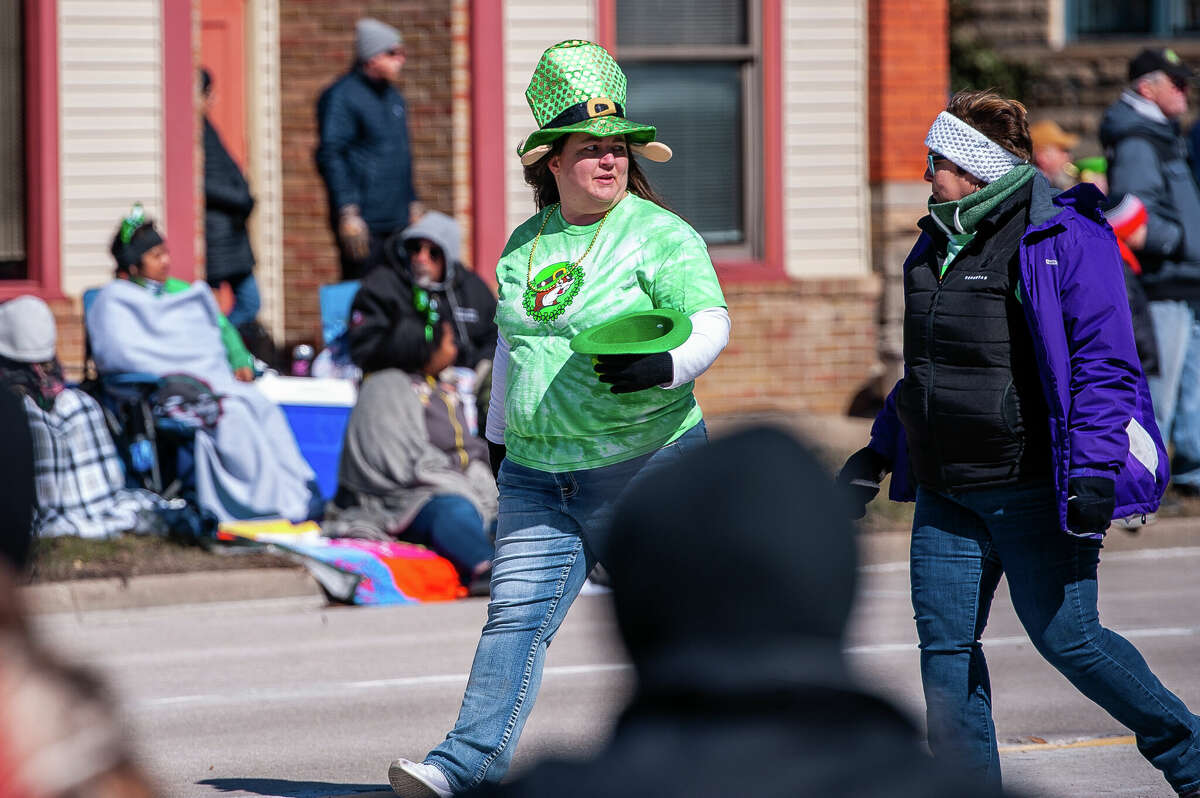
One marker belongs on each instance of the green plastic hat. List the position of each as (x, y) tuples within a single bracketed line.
[(577, 87), (642, 332)]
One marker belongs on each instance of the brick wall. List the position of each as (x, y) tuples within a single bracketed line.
[(1072, 84), (68, 315), (316, 47), (1011, 23), (907, 82), (1076, 84), (795, 346)]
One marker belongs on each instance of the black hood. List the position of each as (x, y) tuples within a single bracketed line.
[(733, 570)]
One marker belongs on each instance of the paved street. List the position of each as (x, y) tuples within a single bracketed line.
[(287, 697)]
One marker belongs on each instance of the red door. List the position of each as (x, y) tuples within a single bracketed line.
[(223, 53)]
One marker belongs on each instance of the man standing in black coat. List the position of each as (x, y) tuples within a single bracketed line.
[(363, 154), (732, 597), (227, 206)]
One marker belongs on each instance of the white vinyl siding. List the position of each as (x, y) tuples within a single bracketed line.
[(826, 196), (110, 122), (530, 26), (266, 168)]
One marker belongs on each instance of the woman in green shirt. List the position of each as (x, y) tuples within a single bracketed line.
[(568, 433)]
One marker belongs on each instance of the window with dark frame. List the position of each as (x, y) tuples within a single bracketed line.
[(1091, 19), (694, 70), (13, 261)]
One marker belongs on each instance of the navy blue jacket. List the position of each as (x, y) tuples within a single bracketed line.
[(363, 153)]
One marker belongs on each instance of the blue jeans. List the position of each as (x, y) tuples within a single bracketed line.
[(246, 300), (1176, 387), (961, 545), (451, 526), (553, 529)]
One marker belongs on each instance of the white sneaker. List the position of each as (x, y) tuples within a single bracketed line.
[(418, 780)]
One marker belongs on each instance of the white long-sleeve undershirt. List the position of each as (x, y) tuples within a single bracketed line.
[(710, 335)]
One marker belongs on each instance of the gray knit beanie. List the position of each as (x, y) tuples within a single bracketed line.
[(27, 330), (372, 37)]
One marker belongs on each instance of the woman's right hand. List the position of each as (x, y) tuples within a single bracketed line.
[(859, 479)]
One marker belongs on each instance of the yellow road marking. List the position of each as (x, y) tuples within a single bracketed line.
[(1011, 749)]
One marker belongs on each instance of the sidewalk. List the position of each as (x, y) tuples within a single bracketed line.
[(833, 437), (86, 595)]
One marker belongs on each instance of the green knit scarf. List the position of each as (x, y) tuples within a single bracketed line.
[(961, 216)]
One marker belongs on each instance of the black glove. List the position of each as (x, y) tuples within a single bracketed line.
[(629, 373), (1090, 504), (859, 479), (496, 452)]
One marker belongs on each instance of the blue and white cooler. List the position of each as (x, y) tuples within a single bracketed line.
[(317, 409)]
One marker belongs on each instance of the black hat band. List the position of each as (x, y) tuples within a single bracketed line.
[(589, 109)]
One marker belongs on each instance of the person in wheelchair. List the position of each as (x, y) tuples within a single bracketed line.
[(143, 259), (78, 477), (246, 463)]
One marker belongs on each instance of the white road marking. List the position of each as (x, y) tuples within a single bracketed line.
[(1105, 557), (341, 689), (1019, 640)]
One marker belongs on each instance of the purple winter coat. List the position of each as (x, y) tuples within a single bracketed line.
[(1073, 294)]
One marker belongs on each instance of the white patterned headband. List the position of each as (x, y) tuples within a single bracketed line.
[(953, 138)]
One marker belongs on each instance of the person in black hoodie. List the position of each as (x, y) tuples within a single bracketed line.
[(394, 319), (734, 615), (227, 206)]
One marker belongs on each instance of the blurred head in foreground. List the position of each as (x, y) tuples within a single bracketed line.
[(733, 572), (733, 568)]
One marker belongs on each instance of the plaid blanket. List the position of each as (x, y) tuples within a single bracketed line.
[(80, 485)]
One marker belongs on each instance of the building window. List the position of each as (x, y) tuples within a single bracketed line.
[(13, 260), (1088, 19), (695, 71)]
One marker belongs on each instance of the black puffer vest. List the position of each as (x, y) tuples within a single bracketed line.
[(971, 401)]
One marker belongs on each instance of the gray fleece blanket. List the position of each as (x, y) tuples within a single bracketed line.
[(249, 466), (392, 469)]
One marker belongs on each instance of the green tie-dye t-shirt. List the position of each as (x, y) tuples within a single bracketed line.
[(558, 415)]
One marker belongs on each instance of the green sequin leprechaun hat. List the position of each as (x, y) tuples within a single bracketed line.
[(577, 87)]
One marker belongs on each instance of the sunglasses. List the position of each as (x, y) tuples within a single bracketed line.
[(932, 160), (415, 245)]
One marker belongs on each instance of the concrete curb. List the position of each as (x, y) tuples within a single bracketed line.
[(86, 595)]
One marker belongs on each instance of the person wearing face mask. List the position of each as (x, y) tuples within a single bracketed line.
[(390, 316), (1022, 427), (568, 431)]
